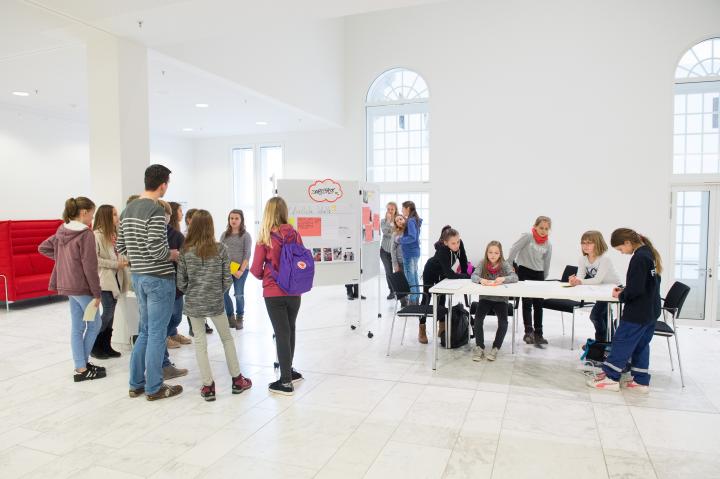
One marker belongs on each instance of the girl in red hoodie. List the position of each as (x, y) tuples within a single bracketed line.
[(75, 275), (281, 308)]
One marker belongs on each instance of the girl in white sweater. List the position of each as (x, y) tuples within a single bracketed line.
[(594, 267)]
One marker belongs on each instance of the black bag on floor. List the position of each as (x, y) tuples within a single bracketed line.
[(460, 325), (595, 351)]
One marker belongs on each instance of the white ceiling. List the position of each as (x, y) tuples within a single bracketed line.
[(41, 48)]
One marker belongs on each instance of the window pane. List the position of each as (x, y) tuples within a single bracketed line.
[(678, 164), (379, 157), (679, 103), (693, 144), (679, 126), (710, 164), (391, 140), (694, 123), (692, 164), (378, 140), (710, 143), (402, 156), (694, 103)]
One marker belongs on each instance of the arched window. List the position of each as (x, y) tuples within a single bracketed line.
[(696, 141), (398, 146)]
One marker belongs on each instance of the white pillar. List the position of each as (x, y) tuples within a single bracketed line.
[(118, 118)]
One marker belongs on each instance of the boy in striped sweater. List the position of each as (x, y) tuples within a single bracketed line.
[(142, 237)]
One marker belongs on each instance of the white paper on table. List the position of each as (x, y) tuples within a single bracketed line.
[(90, 311)]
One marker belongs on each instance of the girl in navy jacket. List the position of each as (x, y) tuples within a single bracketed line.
[(641, 300)]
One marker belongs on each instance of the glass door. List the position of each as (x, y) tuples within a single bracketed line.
[(256, 171)]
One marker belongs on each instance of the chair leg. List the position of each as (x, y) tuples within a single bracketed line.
[(402, 338), (562, 321), (672, 368), (677, 348), (572, 333), (392, 326)]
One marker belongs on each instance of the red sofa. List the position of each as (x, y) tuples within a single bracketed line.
[(26, 270)]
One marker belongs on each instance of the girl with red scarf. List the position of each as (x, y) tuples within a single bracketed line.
[(492, 271), (532, 253)]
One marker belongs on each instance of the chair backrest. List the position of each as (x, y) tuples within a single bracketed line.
[(400, 284), (676, 297), (567, 272)]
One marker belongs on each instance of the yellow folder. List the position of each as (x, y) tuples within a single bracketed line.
[(234, 267)]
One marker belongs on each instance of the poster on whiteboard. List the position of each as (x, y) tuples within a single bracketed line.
[(327, 214)]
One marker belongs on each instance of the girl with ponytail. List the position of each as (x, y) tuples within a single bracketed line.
[(641, 308)]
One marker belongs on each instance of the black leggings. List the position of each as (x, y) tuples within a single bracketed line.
[(283, 311), (528, 304), (501, 311)]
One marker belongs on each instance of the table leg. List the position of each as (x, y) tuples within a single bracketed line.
[(448, 324), (514, 325), (609, 322), (434, 323)]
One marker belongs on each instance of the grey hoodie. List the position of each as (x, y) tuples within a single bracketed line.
[(75, 273)]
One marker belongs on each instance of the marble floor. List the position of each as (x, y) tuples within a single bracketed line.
[(358, 413)]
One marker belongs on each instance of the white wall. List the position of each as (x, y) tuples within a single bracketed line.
[(45, 160)]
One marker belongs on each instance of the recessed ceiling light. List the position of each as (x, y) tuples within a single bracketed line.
[(187, 129), (261, 123), (201, 105), (21, 93)]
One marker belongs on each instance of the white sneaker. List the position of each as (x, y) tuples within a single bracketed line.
[(492, 354), (624, 378), (636, 388), (478, 354), (604, 383)]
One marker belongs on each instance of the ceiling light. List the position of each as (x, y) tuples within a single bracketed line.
[(201, 105), (21, 93), (261, 123), (187, 129)]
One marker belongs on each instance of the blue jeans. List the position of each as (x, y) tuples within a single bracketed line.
[(239, 289), (82, 333), (155, 296), (598, 316), (410, 268), (630, 344), (172, 330)]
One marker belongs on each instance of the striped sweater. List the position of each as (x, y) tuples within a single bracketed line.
[(142, 237), (204, 281)]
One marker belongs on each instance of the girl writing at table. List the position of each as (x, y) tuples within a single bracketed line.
[(641, 308), (595, 267), (492, 271), (533, 252)]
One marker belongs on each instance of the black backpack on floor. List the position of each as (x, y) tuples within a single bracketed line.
[(460, 325)]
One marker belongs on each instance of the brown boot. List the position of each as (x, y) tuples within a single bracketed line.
[(232, 321), (422, 335), (441, 327)]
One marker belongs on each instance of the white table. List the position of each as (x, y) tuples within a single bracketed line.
[(521, 289)]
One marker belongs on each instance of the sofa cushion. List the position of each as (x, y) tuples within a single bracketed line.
[(22, 265), (32, 283), (41, 264)]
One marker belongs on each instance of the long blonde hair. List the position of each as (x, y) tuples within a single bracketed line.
[(276, 214)]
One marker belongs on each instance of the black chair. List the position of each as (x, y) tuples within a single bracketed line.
[(673, 303), (566, 305), (423, 310)]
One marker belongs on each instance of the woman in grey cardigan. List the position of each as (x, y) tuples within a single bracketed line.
[(239, 245), (387, 226), (204, 276), (493, 270)]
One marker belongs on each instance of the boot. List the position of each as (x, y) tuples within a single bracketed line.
[(98, 351), (107, 347), (422, 334), (232, 322), (441, 327), (240, 322)]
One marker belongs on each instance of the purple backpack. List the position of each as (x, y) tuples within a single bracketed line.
[(296, 269)]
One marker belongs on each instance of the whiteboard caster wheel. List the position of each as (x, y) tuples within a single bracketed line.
[(370, 334), (276, 365), (353, 327), (379, 315)]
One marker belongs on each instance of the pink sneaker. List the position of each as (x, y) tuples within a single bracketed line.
[(624, 378), (604, 383), (637, 388)]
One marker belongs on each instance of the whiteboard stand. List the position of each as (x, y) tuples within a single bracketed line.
[(360, 308)]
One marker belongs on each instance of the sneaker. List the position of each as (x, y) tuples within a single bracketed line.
[(296, 376), (96, 368), (88, 375), (165, 391), (492, 355), (133, 393), (240, 384), (208, 392), (240, 322), (624, 378), (539, 339), (478, 354), (604, 383), (232, 322), (279, 388), (528, 338), (179, 338), (170, 372), (637, 388), (208, 329), (172, 344)]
